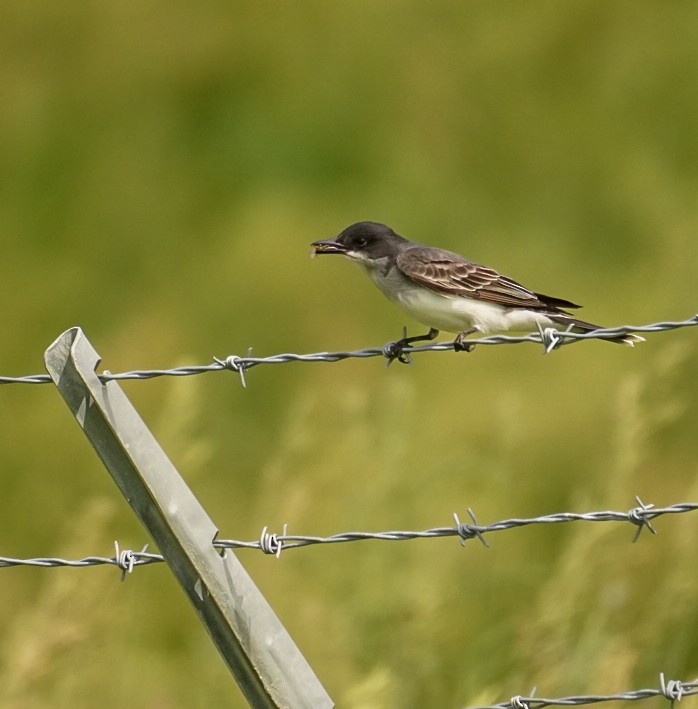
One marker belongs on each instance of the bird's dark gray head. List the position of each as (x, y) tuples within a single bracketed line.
[(362, 241)]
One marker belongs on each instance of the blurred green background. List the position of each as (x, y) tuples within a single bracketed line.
[(163, 169)]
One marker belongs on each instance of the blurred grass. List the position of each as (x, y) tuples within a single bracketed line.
[(163, 170)]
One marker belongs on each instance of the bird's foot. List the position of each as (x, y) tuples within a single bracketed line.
[(461, 344), (396, 350)]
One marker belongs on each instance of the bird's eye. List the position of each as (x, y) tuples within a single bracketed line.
[(361, 241)]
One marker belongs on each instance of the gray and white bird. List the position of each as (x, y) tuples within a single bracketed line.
[(447, 292)]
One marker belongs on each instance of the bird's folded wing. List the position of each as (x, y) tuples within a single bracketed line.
[(451, 274)]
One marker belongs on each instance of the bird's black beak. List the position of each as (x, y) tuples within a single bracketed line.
[(328, 246)]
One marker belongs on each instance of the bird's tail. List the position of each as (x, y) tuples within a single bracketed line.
[(583, 326)]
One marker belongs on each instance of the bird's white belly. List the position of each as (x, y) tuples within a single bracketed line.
[(455, 313)]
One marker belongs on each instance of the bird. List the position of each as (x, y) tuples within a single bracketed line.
[(446, 291)]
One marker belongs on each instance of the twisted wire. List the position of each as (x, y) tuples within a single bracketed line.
[(672, 690), (550, 339), (271, 543)]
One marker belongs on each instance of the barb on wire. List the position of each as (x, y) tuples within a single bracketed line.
[(127, 559), (550, 339), (673, 690), (270, 543)]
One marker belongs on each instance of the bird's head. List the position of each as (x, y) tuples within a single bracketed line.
[(364, 241)]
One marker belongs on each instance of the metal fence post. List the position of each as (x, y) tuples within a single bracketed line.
[(263, 658)]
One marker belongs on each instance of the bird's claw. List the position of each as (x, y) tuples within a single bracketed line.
[(396, 351), (461, 344), (463, 347)]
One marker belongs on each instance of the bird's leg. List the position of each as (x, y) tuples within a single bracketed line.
[(460, 344), (396, 350), (407, 341)]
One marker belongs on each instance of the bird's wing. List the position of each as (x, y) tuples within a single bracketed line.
[(448, 273)]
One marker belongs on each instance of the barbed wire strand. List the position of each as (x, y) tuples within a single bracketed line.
[(270, 543), (673, 690), (550, 338)]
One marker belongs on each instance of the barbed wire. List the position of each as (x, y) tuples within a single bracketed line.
[(673, 690), (550, 338), (270, 543)]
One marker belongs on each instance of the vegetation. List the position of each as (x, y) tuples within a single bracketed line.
[(164, 170)]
